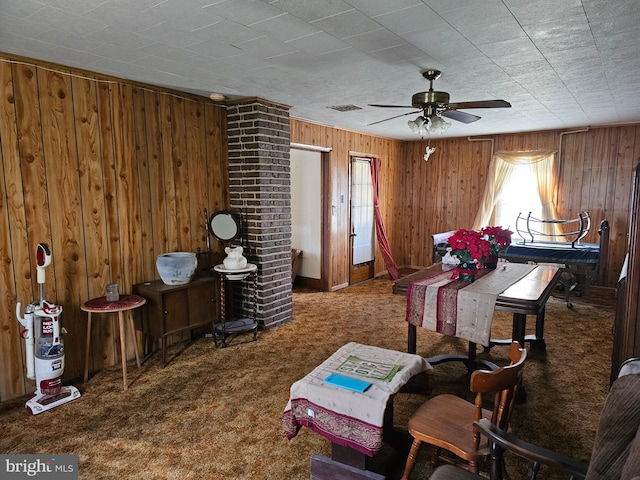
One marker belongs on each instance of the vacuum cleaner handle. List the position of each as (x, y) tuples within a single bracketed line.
[(43, 259)]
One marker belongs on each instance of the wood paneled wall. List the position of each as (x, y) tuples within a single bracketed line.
[(595, 172), (344, 143), (420, 198), (110, 174), (107, 173)]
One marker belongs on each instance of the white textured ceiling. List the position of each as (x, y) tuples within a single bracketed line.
[(560, 63)]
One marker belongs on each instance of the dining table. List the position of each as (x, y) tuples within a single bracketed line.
[(526, 296)]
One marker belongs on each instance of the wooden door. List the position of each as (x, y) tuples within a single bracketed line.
[(362, 236)]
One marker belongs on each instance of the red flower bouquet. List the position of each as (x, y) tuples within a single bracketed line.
[(470, 248), (500, 238)]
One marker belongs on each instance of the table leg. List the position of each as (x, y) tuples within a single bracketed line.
[(539, 343), (536, 340), (519, 327), (348, 456), (469, 360), (123, 348), (411, 338), (164, 351), (399, 440), (86, 357), (223, 308)]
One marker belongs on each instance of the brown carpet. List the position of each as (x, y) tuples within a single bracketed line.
[(216, 413)]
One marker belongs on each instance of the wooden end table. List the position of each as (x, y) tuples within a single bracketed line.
[(123, 304)]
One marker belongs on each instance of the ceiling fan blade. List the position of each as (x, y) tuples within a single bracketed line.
[(463, 117), (480, 104), (397, 116), (391, 106)]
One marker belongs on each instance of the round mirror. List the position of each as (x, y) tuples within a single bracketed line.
[(224, 226)]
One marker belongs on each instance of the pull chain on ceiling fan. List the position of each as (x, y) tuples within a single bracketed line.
[(434, 105)]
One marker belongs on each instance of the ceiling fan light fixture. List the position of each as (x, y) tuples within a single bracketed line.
[(420, 125), (438, 124), (425, 124)]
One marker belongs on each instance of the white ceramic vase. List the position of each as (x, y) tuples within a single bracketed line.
[(234, 259), (176, 268)]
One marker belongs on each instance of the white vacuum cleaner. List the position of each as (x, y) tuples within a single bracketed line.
[(42, 334)]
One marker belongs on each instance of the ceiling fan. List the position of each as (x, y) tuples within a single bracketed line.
[(433, 105)]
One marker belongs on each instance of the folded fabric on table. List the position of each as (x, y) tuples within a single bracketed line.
[(349, 418), (461, 309)]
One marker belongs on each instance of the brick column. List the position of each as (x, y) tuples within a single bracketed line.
[(260, 188)]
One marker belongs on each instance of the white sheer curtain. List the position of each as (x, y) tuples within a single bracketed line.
[(501, 168)]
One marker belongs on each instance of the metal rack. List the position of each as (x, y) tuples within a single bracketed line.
[(533, 229), (239, 324)]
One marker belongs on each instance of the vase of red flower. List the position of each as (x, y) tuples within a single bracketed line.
[(470, 248), (499, 239), (467, 272)]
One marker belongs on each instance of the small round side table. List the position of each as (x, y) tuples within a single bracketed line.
[(123, 304)]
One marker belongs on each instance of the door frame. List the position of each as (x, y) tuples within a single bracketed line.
[(325, 219), (367, 270)]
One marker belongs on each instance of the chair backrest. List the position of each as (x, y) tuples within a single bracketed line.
[(630, 366), (503, 383), (616, 450), (439, 239)]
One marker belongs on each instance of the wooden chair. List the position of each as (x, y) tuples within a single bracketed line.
[(446, 421), (616, 450)]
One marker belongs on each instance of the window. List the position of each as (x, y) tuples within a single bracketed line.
[(519, 182), (519, 195)]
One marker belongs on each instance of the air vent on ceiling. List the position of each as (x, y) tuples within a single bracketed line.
[(346, 108)]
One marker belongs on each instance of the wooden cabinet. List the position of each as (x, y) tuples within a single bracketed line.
[(172, 309)]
